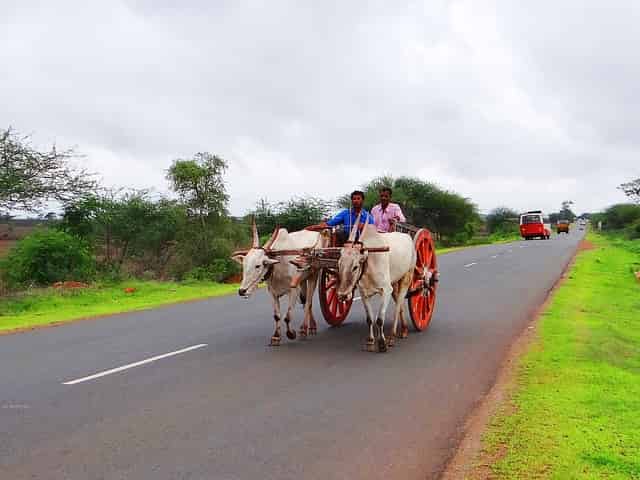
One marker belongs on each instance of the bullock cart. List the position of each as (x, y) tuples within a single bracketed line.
[(422, 292)]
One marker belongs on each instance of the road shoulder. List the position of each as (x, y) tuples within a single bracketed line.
[(469, 460)]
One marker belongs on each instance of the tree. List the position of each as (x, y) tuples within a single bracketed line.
[(200, 185), (502, 219), (297, 213), (294, 214), (554, 217), (127, 226), (266, 216), (446, 213), (632, 189), (565, 212), (621, 216), (209, 236), (29, 178)]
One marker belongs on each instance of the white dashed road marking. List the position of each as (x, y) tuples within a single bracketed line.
[(470, 264), (132, 365)]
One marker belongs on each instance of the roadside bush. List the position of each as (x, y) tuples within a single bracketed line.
[(45, 257), (633, 230), (219, 270), (502, 219), (621, 216)]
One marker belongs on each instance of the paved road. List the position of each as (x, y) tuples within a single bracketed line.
[(233, 408)]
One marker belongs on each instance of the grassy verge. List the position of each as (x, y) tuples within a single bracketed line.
[(574, 412), (42, 307)]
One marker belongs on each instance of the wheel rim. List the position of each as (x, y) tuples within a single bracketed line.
[(423, 302), (333, 310)]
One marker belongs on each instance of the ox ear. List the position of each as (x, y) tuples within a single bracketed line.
[(364, 256), (238, 258), (270, 261)]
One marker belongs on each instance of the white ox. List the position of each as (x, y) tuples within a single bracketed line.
[(258, 266), (386, 273)]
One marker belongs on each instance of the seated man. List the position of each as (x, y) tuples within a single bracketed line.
[(348, 217), (387, 214)]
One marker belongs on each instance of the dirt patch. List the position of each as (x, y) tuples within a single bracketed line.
[(237, 278), (5, 246), (469, 461), (585, 245)]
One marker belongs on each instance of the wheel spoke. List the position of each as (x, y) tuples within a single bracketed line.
[(333, 306), (418, 311), (428, 253), (331, 294)]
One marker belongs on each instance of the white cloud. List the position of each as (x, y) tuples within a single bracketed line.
[(508, 103)]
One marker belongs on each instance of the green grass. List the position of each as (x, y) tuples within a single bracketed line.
[(45, 306), (575, 410)]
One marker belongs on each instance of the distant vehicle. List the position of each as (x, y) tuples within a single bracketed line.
[(532, 225), (562, 226)]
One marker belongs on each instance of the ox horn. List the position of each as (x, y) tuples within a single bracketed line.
[(254, 231), (271, 241), (354, 229)]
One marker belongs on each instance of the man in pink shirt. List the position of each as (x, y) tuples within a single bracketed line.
[(387, 214)]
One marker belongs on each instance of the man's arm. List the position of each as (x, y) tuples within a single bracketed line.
[(332, 222), (339, 219)]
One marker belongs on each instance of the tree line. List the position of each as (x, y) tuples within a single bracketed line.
[(115, 233)]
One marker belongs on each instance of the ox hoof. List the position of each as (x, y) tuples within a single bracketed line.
[(382, 345), (404, 333), (370, 346), (303, 332), (275, 342), (391, 341), (313, 331), (291, 335)]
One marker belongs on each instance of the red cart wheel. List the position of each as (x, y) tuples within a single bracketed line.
[(333, 310), (422, 299)]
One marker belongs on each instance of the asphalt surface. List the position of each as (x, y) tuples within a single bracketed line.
[(234, 408)]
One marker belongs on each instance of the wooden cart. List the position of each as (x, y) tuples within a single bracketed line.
[(422, 293)]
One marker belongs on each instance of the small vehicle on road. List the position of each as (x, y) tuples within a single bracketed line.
[(562, 226), (532, 226)]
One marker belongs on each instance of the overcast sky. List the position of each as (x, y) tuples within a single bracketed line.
[(523, 104)]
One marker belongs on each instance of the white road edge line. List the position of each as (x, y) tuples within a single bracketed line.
[(470, 264), (132, 365)]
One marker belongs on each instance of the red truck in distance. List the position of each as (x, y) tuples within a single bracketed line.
[(532, 226)]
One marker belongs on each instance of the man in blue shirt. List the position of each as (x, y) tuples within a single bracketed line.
[(349, 216)]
